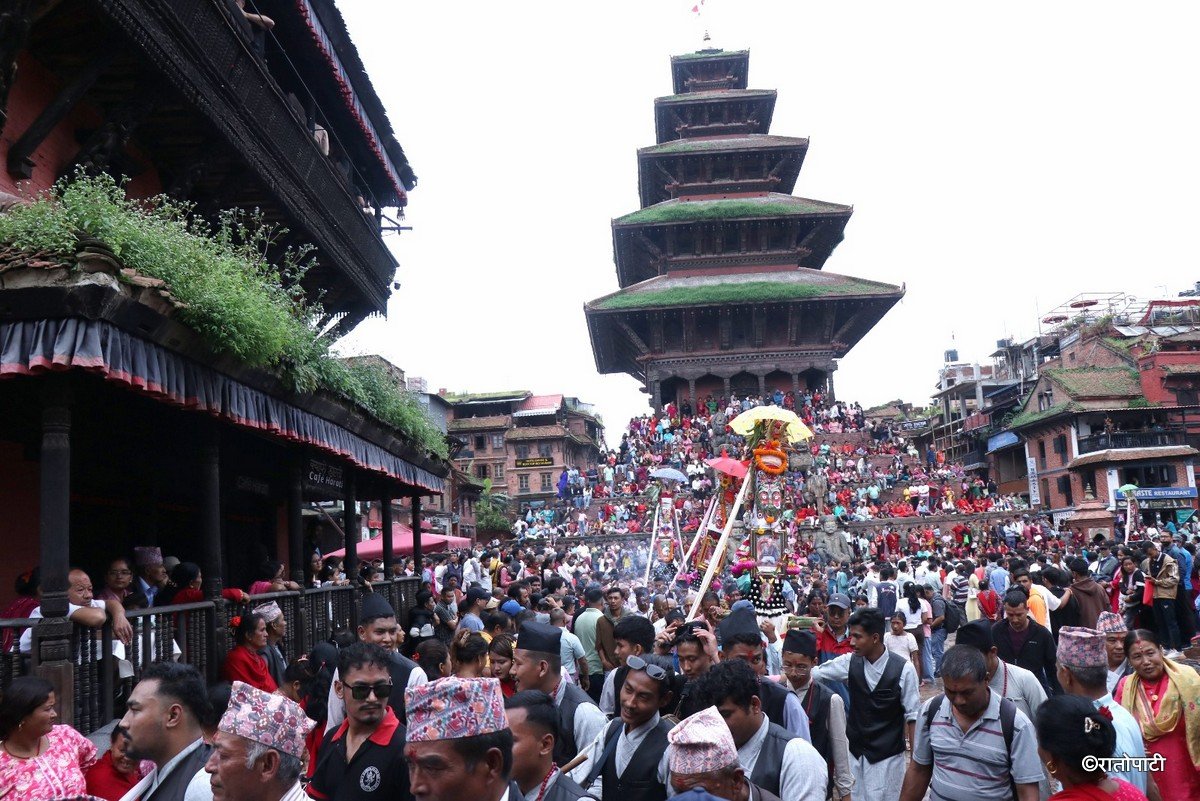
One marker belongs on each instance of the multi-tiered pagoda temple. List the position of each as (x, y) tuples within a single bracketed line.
[(722, 287)]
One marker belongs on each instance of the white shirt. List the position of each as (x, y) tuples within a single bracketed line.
[(803, 774), (626, 746), (198, 789), (26, 642), (902, 645), (589, 720)]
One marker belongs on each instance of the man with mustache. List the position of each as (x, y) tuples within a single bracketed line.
[(363, 758)]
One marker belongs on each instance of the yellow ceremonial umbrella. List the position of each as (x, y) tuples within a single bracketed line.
[(796, 430)]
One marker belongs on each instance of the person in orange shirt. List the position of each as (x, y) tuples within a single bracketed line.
[(1037, 606)]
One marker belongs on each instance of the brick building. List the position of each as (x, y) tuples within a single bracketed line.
[(1117, 406), (522, 441)]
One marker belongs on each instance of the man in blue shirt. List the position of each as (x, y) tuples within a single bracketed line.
[(998, 577)]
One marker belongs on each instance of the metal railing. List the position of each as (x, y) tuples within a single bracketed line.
[(1131, 439)]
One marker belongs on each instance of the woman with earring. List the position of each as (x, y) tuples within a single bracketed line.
[(39, 760), (1072, 734), (1164, 698)]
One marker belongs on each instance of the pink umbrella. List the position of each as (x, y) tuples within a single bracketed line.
[(727, 465)]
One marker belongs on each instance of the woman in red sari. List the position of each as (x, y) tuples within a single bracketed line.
[(1161, 695), (1071, 732), (244, 662)]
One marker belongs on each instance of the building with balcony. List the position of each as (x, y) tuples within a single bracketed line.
[(1116, 406), (522, 442), (124, 424)]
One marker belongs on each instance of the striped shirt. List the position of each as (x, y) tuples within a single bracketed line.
[(973, 765)]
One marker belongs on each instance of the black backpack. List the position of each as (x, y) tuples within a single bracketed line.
[(886, 596), (1008, 724), (953, 618)]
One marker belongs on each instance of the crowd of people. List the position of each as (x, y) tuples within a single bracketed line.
[(991, 658)]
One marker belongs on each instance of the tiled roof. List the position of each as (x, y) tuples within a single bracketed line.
[(747, 142), (479, 423), (483, 397), (536, 432), (1132, 455), (1181, 369), (687, 290), (717, 94), (770, 204), (1097, 382), (549, 402), (702, 54)]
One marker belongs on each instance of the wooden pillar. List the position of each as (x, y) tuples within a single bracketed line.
[(350, 526), (295, 521), (692, 393), (418, 556), (725, 400), (389, 553), (829, 386), (762, 384), (210, 545), (796, 386), (52, 637)]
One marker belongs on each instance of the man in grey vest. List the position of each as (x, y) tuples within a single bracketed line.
[(774, 759), (537, 665), (163, 720)]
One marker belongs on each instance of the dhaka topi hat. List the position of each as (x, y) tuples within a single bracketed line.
[(702, 743), (147, 555), (269, 611), (743, 622), (374, 606), (275, 721), (1111, 623), (1081, 648), (539, 637), (451, 708), (977, 634), (800, 642)]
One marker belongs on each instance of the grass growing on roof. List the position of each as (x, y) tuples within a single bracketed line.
[(235, 299), (741, 292), (732, 208)]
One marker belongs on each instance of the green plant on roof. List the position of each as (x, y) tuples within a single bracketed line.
[(698, 54), (237, 300), (747, 292), (733, 208)]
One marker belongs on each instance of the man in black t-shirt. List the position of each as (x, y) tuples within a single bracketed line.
[(364, 757)]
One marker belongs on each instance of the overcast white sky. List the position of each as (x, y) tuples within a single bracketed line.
[(1000, 159)]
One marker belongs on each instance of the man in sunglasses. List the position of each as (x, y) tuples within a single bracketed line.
[(628, 761), (363, 758)]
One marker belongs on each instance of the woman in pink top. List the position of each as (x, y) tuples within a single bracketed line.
[(39, 761)]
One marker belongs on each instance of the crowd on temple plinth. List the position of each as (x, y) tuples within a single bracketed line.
[(994, 657)]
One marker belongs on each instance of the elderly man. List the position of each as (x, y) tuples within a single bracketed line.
[(1083, 670), (82, 608), (276, 629), (1112, 626), (959, 733), (453, 756), (151, 572), (776, 760), (259, 747), (703, 755)]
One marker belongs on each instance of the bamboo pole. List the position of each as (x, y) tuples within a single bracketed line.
[(653, 538), (704, 521), (720, 549)]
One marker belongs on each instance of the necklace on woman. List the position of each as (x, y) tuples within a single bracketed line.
[(37, 750)]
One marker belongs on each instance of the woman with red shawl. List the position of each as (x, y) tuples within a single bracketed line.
[(244, 663)]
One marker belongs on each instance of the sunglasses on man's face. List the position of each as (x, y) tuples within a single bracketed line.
[(360, 692)]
